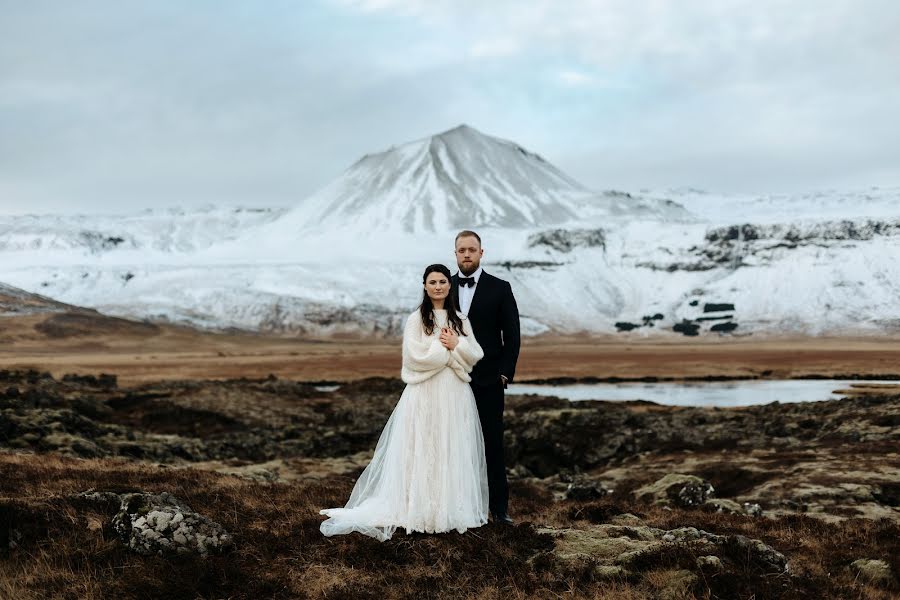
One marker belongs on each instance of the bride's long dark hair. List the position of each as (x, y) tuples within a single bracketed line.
[(427, 308)]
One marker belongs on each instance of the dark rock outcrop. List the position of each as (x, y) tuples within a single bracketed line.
[(618, 551), (717, 307), (164, 525), (687, 328), (547, 435), (566, 240), (684, 491)]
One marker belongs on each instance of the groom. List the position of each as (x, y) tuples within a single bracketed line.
[(491, 308)]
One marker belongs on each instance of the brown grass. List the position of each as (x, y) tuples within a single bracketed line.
[(68, 550), (140, 353)]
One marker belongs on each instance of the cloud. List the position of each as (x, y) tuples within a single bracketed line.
[(494, 48), (794, 96), (574, 78), (109, 103), (723, 42)]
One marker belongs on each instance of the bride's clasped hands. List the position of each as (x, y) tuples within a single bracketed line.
[(449, 338)]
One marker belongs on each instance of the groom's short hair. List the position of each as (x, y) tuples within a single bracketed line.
[(467, 233)]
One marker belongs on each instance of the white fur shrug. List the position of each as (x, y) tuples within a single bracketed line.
[(424, 356)]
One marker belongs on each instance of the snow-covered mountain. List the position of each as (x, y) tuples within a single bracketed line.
[(349, 258), (457, 179)]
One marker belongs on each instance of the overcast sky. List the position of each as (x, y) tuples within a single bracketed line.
[(112, 105)]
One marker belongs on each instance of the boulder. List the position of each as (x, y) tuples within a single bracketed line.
[(586, 490), (684, 491), (164, 525), (723, 505), (753, 509), (710, 563)]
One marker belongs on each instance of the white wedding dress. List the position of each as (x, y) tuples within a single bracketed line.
[(428, 472)]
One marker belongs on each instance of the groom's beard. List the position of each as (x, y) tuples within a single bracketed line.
[(468, 269)]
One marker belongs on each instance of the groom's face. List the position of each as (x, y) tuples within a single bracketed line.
[(468, 254)]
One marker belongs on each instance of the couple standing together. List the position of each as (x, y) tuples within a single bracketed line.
[(438, 464)]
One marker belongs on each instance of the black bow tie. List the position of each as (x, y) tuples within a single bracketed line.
[(467, 281)]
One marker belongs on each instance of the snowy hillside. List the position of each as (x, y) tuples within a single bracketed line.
[(349, 258), (24, 237), (874, 202)]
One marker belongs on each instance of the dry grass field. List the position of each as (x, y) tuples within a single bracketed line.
[(281, 554), (232, 425), (140, 353)]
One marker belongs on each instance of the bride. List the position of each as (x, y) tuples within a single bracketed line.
[(428, 472)]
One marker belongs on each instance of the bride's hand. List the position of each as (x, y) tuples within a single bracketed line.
[(449, 338)]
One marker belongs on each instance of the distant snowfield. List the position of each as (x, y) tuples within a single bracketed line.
[(349, 259), (873, 203)]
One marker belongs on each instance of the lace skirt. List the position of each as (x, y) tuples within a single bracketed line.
[(428, 472)]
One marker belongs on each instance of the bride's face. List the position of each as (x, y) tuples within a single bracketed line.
[(437, 286)]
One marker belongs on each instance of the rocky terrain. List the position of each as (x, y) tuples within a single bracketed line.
[(195, 488)]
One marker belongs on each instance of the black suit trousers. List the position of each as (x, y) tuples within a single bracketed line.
[(490, 400)]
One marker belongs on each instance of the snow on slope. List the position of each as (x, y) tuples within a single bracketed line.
[(566, 280), (349, 259), (874, 202), (56, 238), (809, 277)]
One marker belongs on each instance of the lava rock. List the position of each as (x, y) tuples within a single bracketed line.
[(724, 505), (623, 550), (687, 328), (586, 490), (753, 509), (164, 525), (724, 327), (681, 490), (103, 381), (710, 563), (713, 307)]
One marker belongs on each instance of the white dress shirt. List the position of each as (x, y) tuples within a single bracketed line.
[(466, 293)]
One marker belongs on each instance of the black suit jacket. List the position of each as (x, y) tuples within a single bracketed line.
[(494, 317)]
